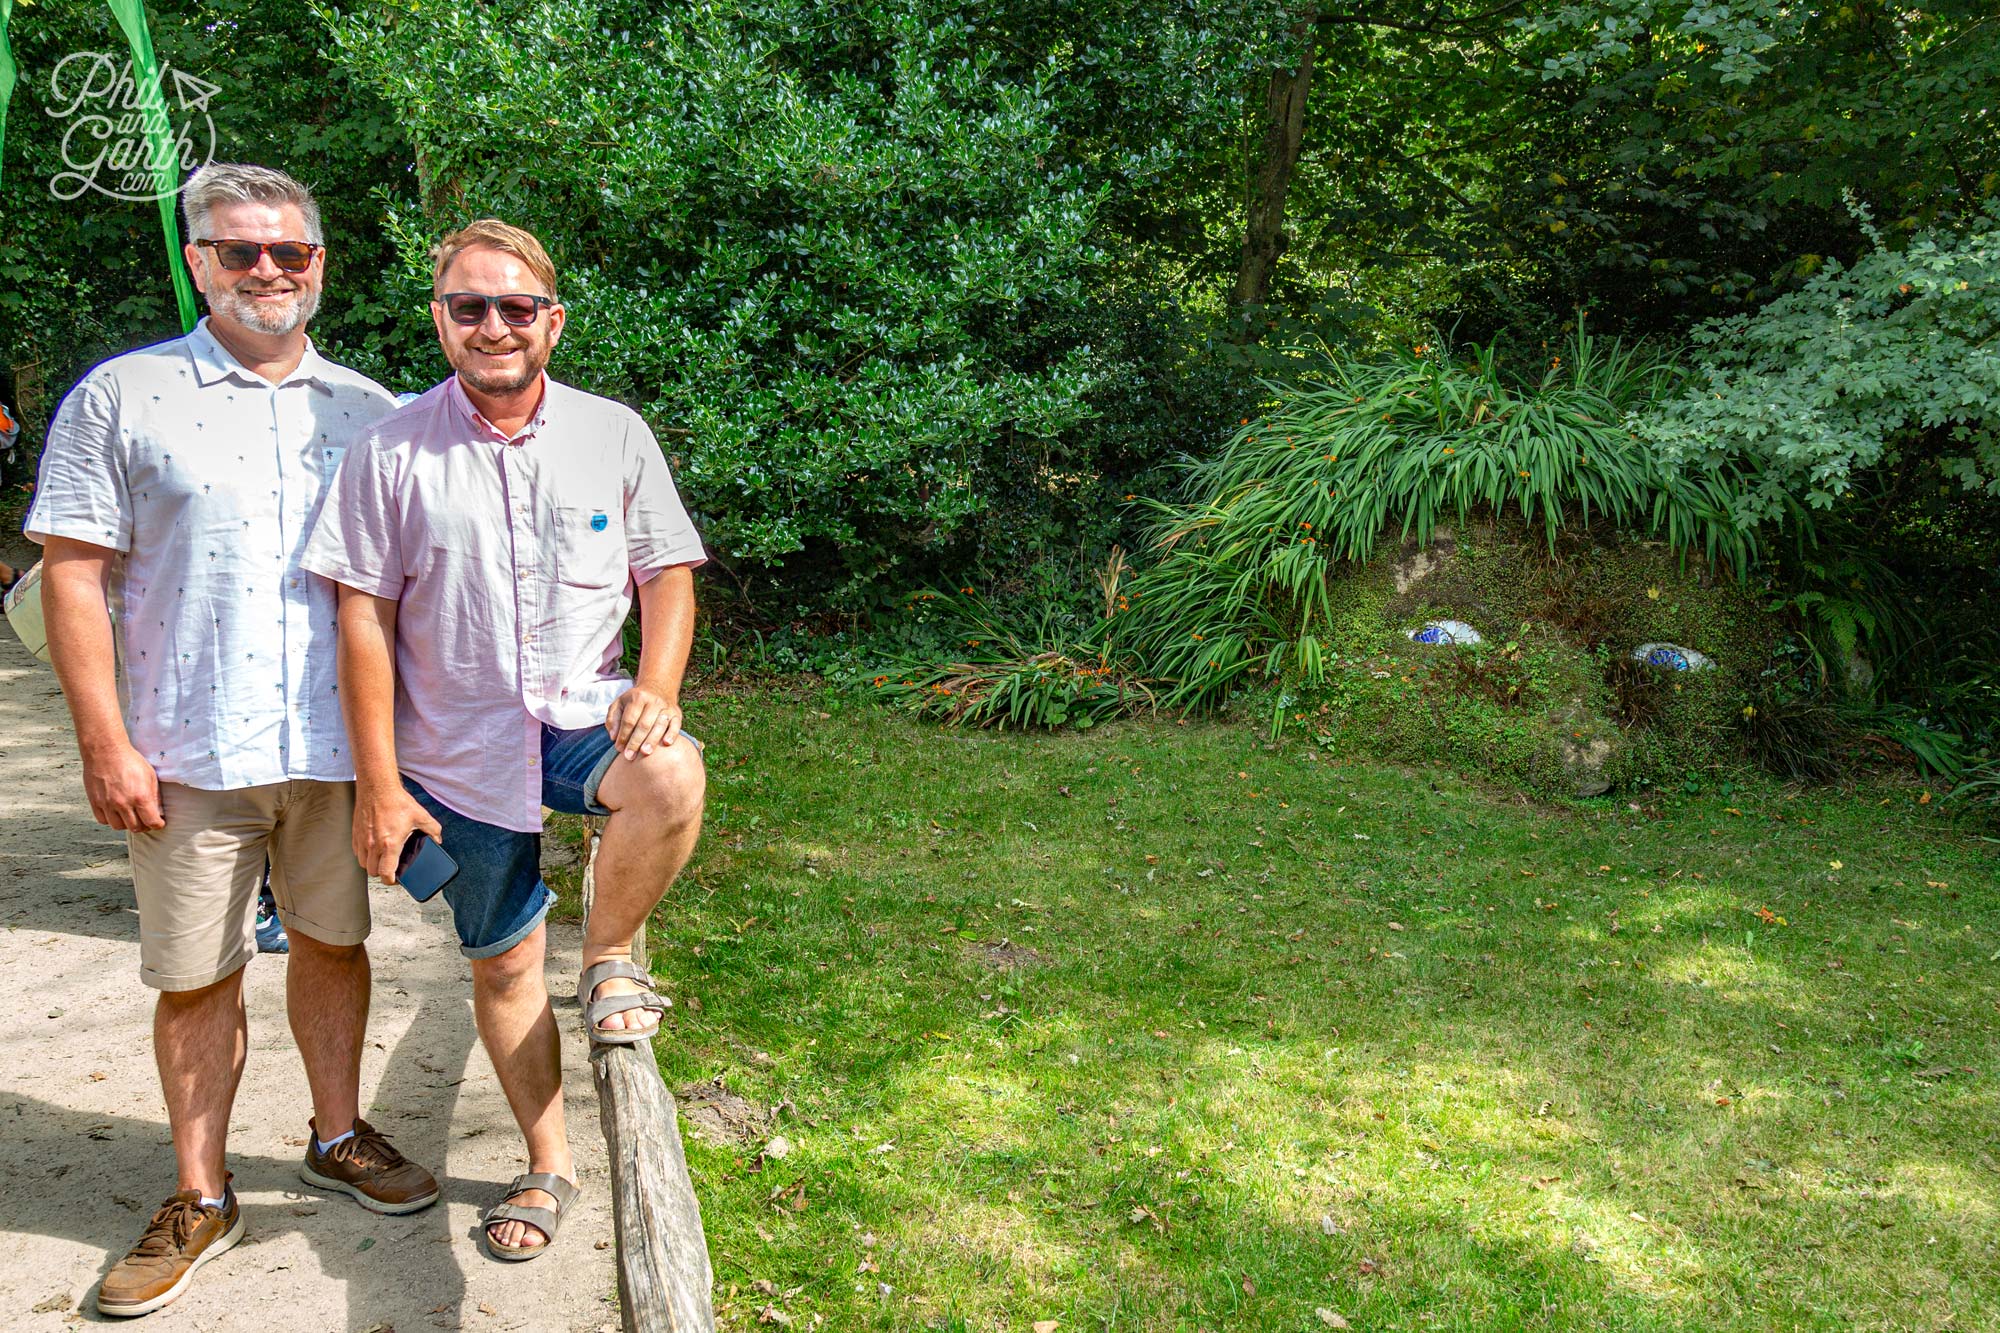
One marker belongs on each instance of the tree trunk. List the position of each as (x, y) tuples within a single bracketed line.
[(1270, 177)]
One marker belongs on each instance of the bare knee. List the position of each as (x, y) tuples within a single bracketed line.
[(196, 1015), (216, 994), (667, 787), (508, 973)]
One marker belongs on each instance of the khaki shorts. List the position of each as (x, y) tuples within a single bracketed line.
[(197, 878)]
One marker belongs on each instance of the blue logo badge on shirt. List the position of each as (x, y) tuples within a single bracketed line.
[(598, 522)]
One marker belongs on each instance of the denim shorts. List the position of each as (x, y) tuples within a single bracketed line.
[(497, 897)]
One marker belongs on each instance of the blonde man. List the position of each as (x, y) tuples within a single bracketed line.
[(488, 538), (179, 482)]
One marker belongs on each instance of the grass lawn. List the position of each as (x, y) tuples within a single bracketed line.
[(1163, 1027)]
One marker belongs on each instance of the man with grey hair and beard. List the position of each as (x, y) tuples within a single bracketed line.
[(179, 484)]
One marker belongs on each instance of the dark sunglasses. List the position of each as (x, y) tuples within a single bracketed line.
[(518, 309), (241, 256)]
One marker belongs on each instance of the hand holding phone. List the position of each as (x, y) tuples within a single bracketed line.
[(424, 866)]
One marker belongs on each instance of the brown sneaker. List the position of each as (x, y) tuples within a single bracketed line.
[(182, 1237), (368, 1167)]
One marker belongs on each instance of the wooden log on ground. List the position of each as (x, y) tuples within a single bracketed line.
[(664, 1277), (663, 1271)]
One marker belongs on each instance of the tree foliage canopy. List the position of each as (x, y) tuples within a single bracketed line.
[(1899, 353)]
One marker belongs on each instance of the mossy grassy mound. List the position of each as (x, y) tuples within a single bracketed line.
[(1552, 700)]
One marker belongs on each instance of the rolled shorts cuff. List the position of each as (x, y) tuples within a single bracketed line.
[(516, 935), (497, 898), (193, 981), (594, 780), (339, 939)]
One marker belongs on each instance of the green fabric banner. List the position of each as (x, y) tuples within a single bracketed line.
[(6, 71), (131, 16)]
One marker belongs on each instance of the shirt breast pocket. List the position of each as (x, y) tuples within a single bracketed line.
[(590, 547)]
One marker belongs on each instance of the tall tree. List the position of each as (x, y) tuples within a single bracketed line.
[(1270, 168)]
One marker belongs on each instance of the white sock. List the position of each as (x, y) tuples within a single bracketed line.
[(324, 1146), (212, 1203)]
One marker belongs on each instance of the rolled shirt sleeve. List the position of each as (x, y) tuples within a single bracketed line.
[(358, 538), (84, 493), (658, 532)]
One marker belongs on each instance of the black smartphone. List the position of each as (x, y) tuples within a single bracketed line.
[(424, 867)]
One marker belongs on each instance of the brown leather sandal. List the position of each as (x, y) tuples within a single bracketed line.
[(546, 1220)]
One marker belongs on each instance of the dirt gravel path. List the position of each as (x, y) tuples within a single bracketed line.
[(83, 1135)]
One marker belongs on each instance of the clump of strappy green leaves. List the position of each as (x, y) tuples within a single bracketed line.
[(1234, 579), (999, 675)]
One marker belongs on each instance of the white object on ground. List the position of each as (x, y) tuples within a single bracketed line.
[(24, 612)]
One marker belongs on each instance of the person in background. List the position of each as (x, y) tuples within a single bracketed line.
[(10, 435), (271, 937)]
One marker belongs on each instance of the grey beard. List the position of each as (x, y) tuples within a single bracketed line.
[(247, 312)]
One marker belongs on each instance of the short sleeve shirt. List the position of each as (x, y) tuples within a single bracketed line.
[(206, 479), (513, 562)]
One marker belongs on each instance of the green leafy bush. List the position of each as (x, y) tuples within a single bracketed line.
[(815, 267), (841, 256), (1896, 355)]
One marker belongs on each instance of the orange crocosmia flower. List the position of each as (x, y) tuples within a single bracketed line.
[(1451, 451)]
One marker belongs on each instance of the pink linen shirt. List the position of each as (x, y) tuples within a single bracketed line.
[(513, 561)]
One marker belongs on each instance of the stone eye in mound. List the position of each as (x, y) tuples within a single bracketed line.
[(1672, 656), (1454, 632)]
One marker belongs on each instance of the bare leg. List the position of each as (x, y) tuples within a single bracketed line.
[(326, 998), (656, 805), (200, 1039), (510, 1002)]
